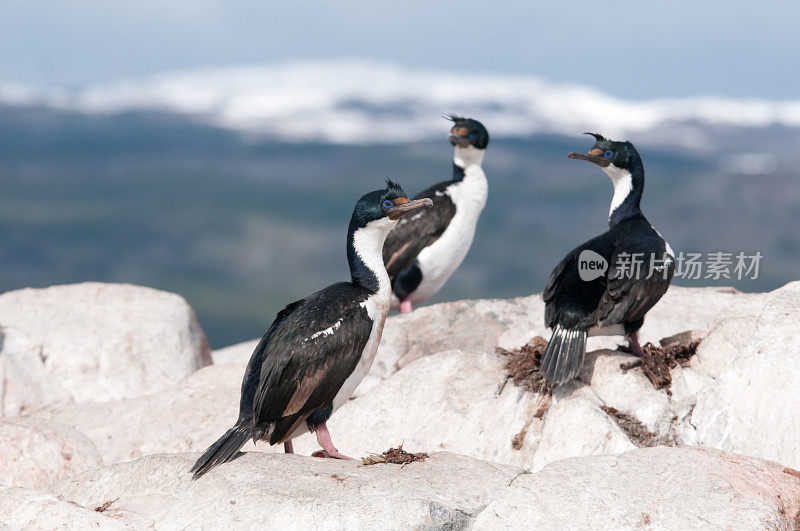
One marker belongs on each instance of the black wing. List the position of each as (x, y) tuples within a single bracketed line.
[(252, 374), (308, 356), (616, 297), (628, 297), (419, 230), (569, 300)]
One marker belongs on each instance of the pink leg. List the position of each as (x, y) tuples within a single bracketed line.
[(324, 440), (636, 348), (288, 447), (405, 305)]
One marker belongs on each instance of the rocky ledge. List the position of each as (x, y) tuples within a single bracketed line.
[(105, 388)]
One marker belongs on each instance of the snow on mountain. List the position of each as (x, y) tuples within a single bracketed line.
[(363, 102)]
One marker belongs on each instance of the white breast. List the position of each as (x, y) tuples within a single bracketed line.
[(439, 260), (378, 309), (369, 246)]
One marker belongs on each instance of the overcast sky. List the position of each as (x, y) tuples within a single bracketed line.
[(634, 49)]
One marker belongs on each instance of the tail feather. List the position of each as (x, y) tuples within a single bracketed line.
[(548, 365), (221, 451), (558, 360), (564, 355)]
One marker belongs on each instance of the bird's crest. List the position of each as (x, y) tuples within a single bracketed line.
[(453, 117), (391, 185), (597, 136)]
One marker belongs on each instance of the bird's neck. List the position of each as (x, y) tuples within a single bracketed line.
[(458, 173), (463, 158), (365, 255), (628, 188)]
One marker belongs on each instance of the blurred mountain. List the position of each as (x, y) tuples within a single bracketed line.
[(234, 187), (359, 102)]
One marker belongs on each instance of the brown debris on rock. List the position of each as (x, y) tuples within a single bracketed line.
[(518, 441), (659, 361), (104, 507), (395, 456), (523, 365), (635, 430)]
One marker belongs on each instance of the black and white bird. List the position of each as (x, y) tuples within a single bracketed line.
[(425, 249), (318, 349), (606, 285)]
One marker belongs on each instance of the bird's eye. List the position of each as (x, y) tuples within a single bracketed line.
[(472, 136), (388, 205), (608, 154)]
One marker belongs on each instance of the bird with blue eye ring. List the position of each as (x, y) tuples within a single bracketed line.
[(608, 154), (388, 205)]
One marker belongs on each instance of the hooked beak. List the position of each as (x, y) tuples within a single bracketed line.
[(458, 140), (595, 155), (402, 209), (459, 136)]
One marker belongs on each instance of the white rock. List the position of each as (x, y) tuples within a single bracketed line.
[(753, 406), (684, 309), (36, 452), (25, 382), (292, 492), (239, 353), (629, 392), (576, 427), (651, 488), (725, 344), (472, 325), (30, 509), (97, 342), (185, 418), (655, 488)]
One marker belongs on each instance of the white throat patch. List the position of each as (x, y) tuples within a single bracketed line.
[(467, 156), (368, 244), (623, 185)]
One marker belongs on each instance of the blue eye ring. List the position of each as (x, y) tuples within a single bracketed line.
[(472, 136), (608, 154), (387, 205)]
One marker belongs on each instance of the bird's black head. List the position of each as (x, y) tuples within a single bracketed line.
[(467, 132), (389, 204), (606, 152), (375, 215), (621, 162)]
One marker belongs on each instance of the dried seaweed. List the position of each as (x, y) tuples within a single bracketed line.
[(659, 361), (104, 507), (635, 430), (523, 365), (396, 456)]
